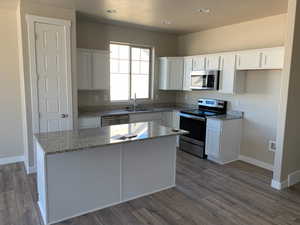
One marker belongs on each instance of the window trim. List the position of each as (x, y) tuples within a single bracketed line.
[(130, 71)]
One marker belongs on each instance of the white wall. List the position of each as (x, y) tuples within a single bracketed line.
[(287, 161), (11, 137), (261, 100)]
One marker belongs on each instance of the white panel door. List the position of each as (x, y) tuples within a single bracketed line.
[(54, 100), (84, 70)]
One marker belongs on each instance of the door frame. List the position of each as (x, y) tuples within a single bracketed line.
[(31, 20)]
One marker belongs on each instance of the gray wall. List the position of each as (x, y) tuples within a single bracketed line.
[(11, 136), (95, 35)]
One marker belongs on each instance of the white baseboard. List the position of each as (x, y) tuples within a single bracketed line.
[(10, 160), (294, 178), (256, 162), (279, 185)]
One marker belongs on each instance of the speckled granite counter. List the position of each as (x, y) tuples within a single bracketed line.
[(227, 117), (66, 141), (124, 111)]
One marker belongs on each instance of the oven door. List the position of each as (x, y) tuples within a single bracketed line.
[(196, 126)]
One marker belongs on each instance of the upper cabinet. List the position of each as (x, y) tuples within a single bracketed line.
[(231, 80), (198, 63), (273, 58), (171, 73), (92, 69), (188, 68), (270, 58), (212, 62), (175, 72)]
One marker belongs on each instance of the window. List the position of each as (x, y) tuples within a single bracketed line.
[(130, 68)]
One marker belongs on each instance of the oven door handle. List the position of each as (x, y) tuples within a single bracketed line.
[(191, 117)]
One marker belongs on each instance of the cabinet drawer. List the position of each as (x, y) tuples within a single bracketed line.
[(89, 122)]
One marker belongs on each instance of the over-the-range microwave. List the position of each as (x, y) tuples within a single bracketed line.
[(205, 80)]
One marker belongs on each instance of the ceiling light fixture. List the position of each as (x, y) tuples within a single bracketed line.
[(166, 22), (203, 10), (111, 11)]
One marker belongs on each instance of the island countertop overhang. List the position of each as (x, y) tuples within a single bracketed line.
[(78, 140)]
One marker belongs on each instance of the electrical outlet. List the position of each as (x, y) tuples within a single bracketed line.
[(272, 146)]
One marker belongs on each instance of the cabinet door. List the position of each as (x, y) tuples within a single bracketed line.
[(212, 142), (227, 75), (100, 78), (175, 70), (213, 62), (249, 60), (89, 122), (198, 63), (273, 58), (163, 73), (84, 70), (188, 67)]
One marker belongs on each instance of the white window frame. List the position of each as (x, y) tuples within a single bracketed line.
[(151, 69)]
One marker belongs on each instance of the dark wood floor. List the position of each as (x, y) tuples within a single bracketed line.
[(206, 194)]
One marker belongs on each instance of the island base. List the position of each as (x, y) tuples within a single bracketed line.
[(75, 183)]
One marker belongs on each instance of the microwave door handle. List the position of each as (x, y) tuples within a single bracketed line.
[(192, 117)]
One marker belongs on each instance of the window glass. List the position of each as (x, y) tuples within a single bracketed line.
[(130, 72)]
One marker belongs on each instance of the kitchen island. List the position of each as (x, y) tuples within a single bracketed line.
[(87, 170)]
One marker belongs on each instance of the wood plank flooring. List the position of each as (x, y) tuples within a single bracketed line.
[(206, 194)]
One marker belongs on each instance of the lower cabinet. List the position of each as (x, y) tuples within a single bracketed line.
[(144, 117), (171, 119), (223, 140), (86, 122)]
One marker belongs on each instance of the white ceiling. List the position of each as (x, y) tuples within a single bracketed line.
[(182, 13)]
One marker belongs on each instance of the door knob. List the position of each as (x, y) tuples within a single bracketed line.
[(64, 115)]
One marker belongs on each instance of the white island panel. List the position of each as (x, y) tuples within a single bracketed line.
[(148, 166), (83, 181)]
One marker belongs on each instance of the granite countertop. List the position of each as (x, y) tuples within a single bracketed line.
[(69, 141), (227, 117), (125, 112)]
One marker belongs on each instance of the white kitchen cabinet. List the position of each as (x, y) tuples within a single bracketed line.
[(92, 69), (188, 68), (171, 73), (212, 62), (84, 69), (249, 60), (231, 80), (144, 117), (199, 63), (223, 140), (273, 58), (259, 59), (86, 122)]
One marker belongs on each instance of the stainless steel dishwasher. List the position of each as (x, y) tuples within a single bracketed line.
[(114, 120)]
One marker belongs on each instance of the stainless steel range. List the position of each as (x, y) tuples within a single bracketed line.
[(194, 121)]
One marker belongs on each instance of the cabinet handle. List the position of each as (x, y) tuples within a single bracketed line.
[(63, 116)]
